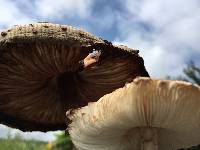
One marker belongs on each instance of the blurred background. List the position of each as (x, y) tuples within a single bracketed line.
[(165, 32)]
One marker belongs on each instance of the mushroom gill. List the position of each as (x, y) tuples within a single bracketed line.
[(146, 114), (39, 81)]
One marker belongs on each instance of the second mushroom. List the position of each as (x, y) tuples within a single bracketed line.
[(144, 115)]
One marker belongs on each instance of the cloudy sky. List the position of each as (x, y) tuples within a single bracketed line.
[(166, 31)]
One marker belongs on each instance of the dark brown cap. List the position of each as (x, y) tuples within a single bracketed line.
[(38, 77)]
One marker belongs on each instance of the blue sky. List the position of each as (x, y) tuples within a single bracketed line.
[(165, 31)]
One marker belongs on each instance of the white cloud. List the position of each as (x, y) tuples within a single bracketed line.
[(11, 14), (158, 61), (104, 19), (48, 136), (166, 32), (63, 8), (27, 11)]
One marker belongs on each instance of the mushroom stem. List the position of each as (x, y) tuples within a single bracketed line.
[(149, 139)]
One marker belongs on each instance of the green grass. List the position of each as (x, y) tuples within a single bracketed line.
[(62, 142), (20, 144)]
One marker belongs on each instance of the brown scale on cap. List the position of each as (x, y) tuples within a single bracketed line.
[(3, 34), (38, 78)]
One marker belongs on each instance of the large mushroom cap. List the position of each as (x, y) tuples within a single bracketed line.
[(37, 65), (146, 114)]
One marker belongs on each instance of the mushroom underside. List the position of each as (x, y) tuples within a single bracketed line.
[(39, 82), (145, 114)]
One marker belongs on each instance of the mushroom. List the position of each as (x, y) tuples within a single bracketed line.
[(146, 114), (39, 81)]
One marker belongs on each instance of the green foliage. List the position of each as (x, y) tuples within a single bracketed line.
[(62, 142), (181, 78), (193, 73), (17, 143)]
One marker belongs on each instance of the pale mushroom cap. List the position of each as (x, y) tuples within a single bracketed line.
[(116, 121)]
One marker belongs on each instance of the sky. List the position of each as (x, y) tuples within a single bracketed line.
[(165, 31)]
